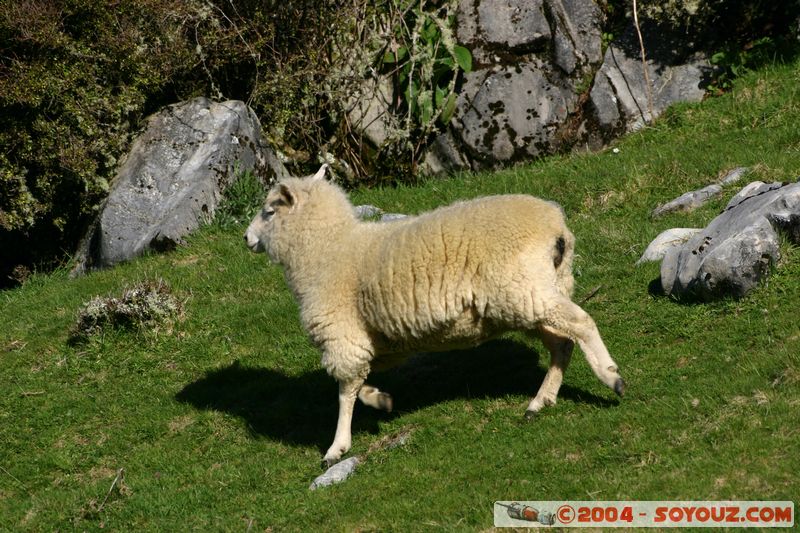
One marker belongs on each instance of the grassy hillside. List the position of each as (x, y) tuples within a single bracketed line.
[(219, 422)]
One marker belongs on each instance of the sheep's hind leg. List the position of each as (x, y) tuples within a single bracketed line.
[(560, 349), (371, 396), (567, 319), (348, 390)]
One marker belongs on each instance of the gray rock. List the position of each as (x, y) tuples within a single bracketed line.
[(577, 42), (336, 474), (665, 241), (513, 112), (443, 156), (173, 178), (618, 97), (388, 217), (734, 253), (368, 211), (752, 189), (533, 58), (688, 201), (369, 110), (511, 24), (372, 212), (734, 175)]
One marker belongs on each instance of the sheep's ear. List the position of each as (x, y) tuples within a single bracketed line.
[(287, 195), (321, 172)]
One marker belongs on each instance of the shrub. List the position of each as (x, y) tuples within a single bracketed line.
[(149, 304)]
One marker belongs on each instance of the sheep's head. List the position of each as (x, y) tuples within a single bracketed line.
[(292, 208)]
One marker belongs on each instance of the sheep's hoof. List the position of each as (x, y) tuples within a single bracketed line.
[(530, 415), (327, 463), (619, 387)]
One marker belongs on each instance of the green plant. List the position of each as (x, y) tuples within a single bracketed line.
[(220, 426), (148, 304), (240, 201), (424, 59), (735, 60)]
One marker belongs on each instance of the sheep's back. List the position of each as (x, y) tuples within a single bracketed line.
[(444, 269)]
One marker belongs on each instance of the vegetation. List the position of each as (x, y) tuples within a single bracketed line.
[(77, 78), (220, 422)]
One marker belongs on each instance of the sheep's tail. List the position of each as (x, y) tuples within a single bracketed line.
[(563, 252)]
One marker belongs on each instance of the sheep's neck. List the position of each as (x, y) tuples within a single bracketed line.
[(315, 252)]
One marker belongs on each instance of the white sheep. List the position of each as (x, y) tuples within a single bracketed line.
[(455, 277)]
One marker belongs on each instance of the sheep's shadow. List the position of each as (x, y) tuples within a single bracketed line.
[(302, 410)]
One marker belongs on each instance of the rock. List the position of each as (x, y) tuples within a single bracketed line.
[(173, 178), (735, 252), (369, 110), (752, 189), (541, 84), (513, 112), (442, 156), (532, 58), (577, 42), (388, 217), (734, 175), (336, 474), (618, 98), (665, 241), (508, 24), (368, 211), (688, 201)]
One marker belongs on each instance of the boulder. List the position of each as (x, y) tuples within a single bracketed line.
[(541, 83), (618, 99), (737, 249), (531, 58), (173, 178), (665, 241), (513, 112)]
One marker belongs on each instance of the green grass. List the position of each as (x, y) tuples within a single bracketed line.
[(220, 421)]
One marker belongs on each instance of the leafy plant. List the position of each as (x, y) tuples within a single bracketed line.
[(425, 61), (240, 201), (734, 61), (146, 304)]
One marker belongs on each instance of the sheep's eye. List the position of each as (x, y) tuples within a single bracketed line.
[(267, 212)]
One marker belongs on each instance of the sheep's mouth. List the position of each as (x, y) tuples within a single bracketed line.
[(254, 244)]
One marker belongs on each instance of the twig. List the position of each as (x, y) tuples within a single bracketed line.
[(390, 441), (644, 64), (120, 475), (592, 294), (25, 394), (9, 474)]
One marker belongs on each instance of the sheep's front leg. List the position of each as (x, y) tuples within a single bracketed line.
[(348, 391), (560, 349)]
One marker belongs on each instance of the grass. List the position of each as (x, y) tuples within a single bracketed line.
[(219, 422)]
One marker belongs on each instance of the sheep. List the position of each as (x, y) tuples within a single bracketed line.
[(370, 292)]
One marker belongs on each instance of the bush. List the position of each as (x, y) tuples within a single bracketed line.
[(149, 304), (77, 77)]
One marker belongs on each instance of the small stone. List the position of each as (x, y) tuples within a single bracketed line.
[(336, 474), (368, 211), (734, 175), (695, 402), (688, 201)]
